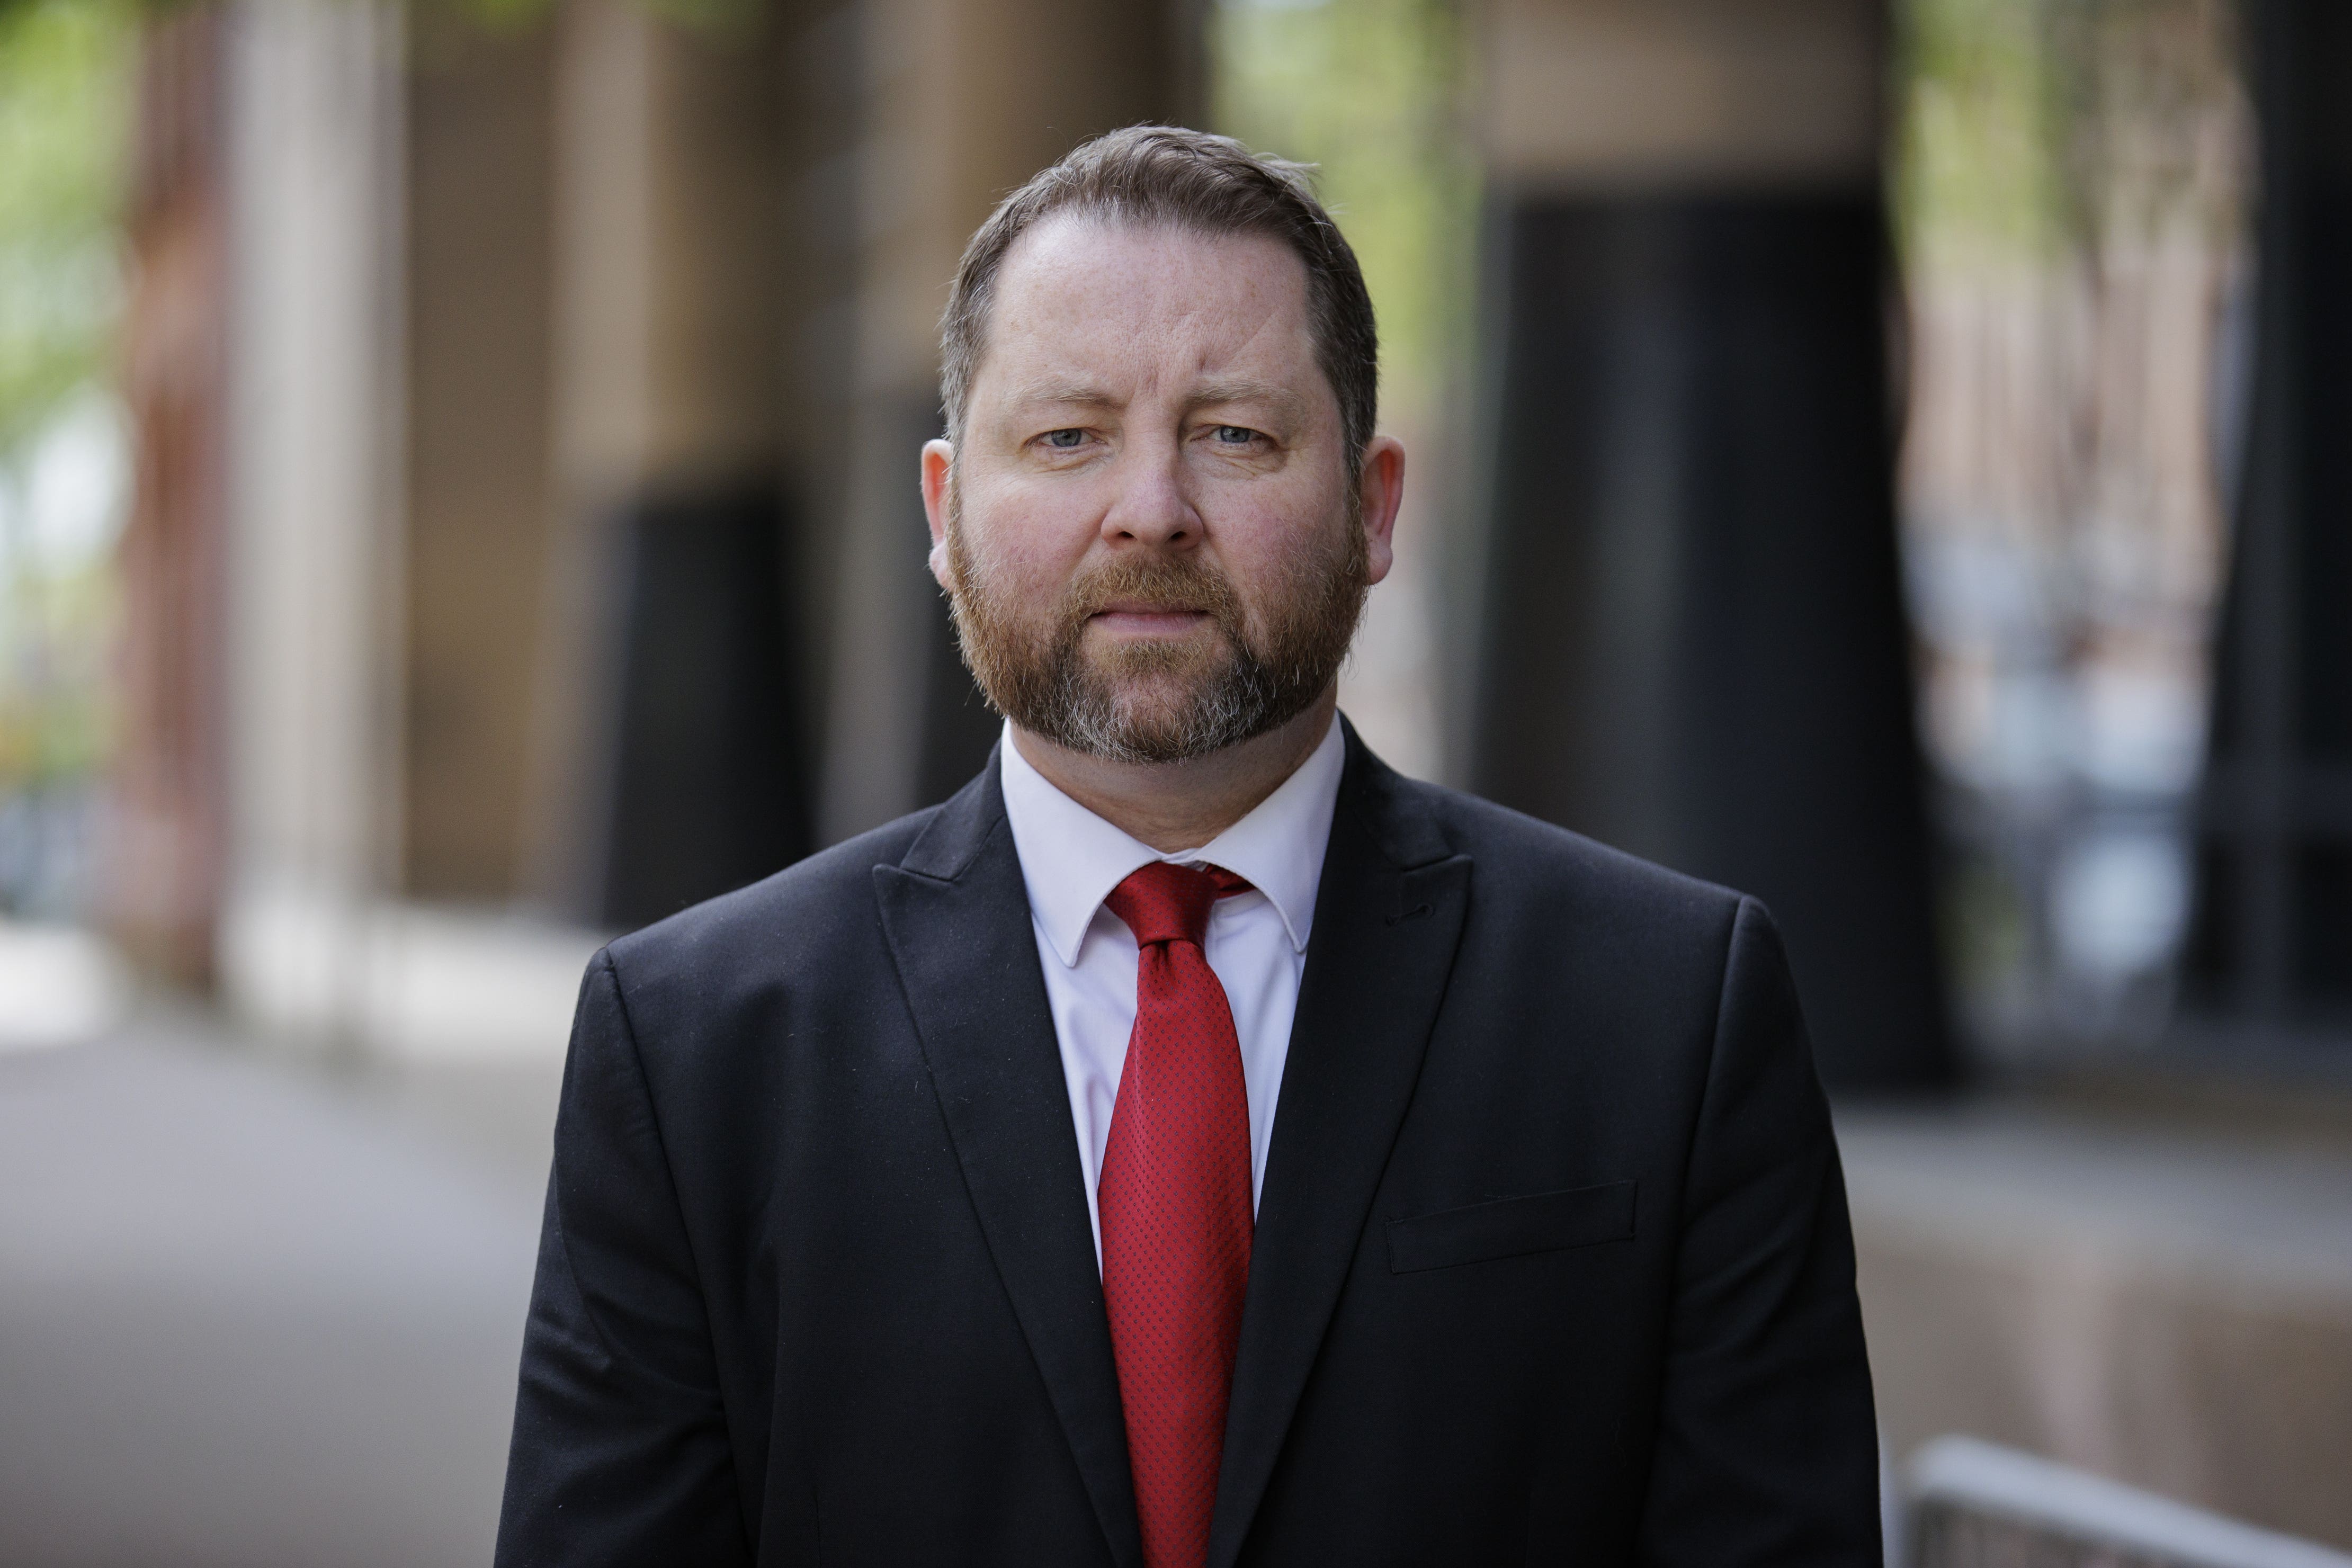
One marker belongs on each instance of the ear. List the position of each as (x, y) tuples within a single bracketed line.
[(1380, 492), (939, 479)]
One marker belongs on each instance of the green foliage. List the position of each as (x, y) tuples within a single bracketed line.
[(65, 116), (1978, 163), (1368, 90), (65, 82), (2035, 127)]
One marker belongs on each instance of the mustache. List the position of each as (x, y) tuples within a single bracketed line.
[(1180, 583)]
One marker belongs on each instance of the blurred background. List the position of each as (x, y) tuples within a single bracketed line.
[(457, 502)]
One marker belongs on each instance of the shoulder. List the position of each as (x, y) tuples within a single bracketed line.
[(813, 916), (1527, 867), (1552, 914), (1681, 982)]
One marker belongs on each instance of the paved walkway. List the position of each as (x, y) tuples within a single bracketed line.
[(251, 1317), (2159, 1297)]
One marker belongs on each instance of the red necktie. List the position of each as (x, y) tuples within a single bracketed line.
[(1175, 1206)]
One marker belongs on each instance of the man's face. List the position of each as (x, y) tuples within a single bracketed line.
[(1147, 528)]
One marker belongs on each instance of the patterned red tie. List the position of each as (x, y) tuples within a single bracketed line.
[(1175, 1206)]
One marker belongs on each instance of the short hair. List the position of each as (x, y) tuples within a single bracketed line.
[(1213, 185)]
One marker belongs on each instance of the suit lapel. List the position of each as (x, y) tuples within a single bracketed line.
[(956, 914), (1388, 914)]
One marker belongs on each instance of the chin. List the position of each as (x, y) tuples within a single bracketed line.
[(1142, 666), (1161, 718), (1158, 707), (1115, 655)]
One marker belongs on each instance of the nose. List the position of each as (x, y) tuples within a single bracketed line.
[(1149, 506)]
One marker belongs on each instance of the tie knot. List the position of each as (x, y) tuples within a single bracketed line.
[(1164, 902)]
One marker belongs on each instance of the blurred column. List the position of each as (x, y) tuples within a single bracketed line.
[(961, 100), (815, 287), (1694, 644), (313, 563), (2270, 958), (478, 330), (167, 814), (671, 759)]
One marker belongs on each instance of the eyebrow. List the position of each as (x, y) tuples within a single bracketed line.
[(1289, 404), (1049, 390), (1086, 395)]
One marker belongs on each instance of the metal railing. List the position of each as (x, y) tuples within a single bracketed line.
[(1971, 1504)]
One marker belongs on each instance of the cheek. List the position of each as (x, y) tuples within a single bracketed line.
[(1273, 542), (1030, 536)]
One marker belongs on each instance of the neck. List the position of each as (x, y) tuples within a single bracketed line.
[(1176, 806)]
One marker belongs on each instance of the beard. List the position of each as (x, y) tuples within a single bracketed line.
[(1160, 700)]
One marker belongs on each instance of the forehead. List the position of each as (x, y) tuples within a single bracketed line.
[(1083, 293)]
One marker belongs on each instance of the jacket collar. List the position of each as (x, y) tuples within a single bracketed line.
[(1389, 911), (1071, 859), (957, 921), (1389, 917)]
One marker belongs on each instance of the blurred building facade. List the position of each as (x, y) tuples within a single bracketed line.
[(2078, 262), (566, 559), (2268, 973), (1694, 632), (526, 544), (525, 519)]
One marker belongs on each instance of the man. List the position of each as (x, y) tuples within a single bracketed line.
[(1192, 1143)]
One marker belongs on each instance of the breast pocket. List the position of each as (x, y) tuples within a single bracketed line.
[(1512, 1227)]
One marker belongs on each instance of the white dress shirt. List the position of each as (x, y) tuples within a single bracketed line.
[(1072, 858)]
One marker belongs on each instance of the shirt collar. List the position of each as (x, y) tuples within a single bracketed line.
[(1071, 859)]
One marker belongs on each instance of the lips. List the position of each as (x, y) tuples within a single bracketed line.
[(1145, 615), (1149, 624), (1145, 607)]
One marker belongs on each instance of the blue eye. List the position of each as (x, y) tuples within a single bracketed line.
[(1235, 435), (1064, 439)]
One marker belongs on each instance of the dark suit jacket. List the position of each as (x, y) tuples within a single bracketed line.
[(1552, 1262)]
